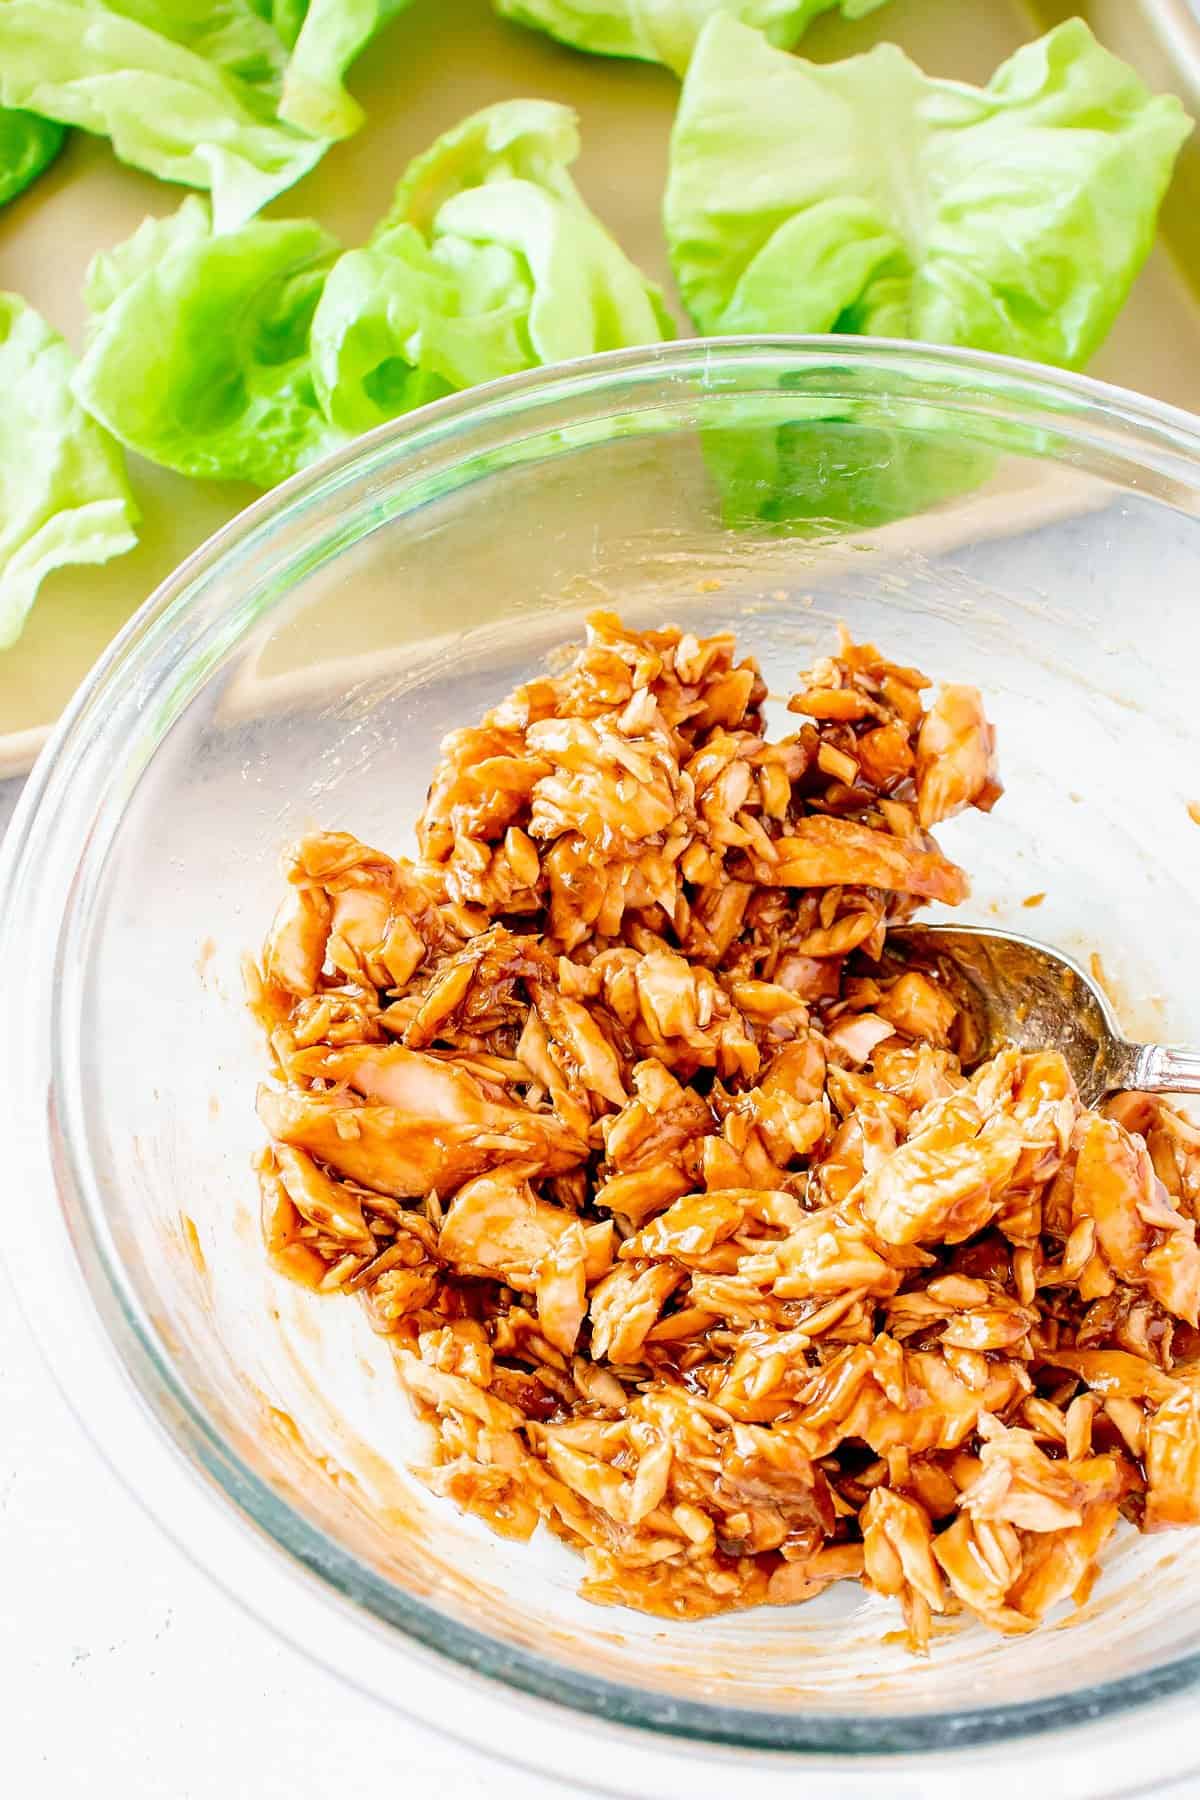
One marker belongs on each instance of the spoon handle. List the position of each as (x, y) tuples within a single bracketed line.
[(1160, 1070)]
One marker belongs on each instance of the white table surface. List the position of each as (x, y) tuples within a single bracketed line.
[(124, 1670)]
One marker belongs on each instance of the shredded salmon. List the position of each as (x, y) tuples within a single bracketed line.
[(699, 1236)]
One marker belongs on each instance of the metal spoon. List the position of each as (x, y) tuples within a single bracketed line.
[(1021, 993)]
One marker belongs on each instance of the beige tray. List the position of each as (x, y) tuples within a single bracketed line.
[(443, 59)]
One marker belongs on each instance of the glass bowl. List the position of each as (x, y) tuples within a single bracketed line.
[(1036, 534)]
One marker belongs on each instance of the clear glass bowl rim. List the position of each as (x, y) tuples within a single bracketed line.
[(53, 853)]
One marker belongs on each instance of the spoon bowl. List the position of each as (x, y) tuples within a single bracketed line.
[(1023, 993)]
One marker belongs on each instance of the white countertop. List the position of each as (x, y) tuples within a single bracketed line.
[(126, 1671)]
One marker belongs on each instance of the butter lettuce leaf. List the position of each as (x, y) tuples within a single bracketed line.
[(184, 89), (27, 146), (665, 31), (864, 196), (330, 37), (199, 350), (64, 497), (248, 354), (488, 262), (805, 468)]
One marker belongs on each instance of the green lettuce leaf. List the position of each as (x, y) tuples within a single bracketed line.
[(199, 351), (27, 145), (247, 354), (184, 89), (863, 196), (665, 31), (488, 262), (518, 140), (64, 497), (808, 468), (330, 37), (292, 53)]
